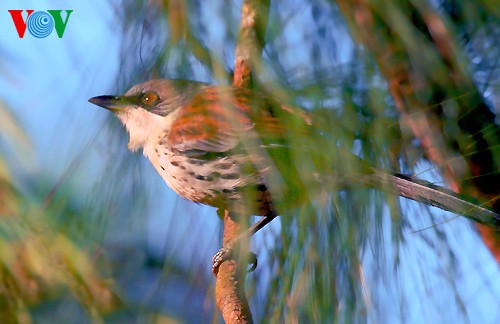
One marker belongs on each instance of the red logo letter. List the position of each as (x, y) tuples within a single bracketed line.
[(20, 24)]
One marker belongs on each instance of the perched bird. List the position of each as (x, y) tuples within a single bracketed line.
[(241, 150)]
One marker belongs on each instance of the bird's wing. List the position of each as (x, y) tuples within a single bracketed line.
[(219, 119)]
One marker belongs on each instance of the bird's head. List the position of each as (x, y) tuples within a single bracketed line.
[(149, 108), (159, 97)]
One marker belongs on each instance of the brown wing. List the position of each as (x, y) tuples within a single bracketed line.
[(219, 118)]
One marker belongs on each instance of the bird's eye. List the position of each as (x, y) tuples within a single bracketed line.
[(149, 98)]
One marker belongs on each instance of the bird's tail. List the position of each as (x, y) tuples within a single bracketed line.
[(428, 193)]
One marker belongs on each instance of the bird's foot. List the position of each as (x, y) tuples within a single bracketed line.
[(225, 254)]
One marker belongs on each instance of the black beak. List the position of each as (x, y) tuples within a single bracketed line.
[(112, 103)]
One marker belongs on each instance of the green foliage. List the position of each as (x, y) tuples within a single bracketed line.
[(41, 260)]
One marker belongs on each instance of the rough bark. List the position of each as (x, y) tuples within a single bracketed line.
[(230, 285)]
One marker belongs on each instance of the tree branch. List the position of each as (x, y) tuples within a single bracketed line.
[(230, 285), (433, 91), (229, 288)]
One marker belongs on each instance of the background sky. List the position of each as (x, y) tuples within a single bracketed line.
[(47, 82)]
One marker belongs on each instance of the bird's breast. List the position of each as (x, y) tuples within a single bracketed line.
[(217, 182)]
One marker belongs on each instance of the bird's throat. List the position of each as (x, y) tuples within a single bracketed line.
[(144, 127)]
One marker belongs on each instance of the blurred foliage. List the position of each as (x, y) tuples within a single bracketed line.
[(40, 261), (349, 256)]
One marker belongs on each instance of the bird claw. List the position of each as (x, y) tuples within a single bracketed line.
[(252, 260), (222, 255), (225, 254)]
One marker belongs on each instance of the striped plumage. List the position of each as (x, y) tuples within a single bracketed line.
[(234, 148), (210, 144)]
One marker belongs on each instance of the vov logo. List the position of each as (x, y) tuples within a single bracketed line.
[(40, 24)]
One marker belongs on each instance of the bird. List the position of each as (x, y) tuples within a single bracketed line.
[(242, 150)]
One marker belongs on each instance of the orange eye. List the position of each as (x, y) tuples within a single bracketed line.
[(149, 98)]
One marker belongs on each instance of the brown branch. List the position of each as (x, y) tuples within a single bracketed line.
[(422, 84), (230, 285), (394, 63), (229, 288), (254, 15)]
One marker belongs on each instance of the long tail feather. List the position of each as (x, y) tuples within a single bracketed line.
[(428, 193)]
